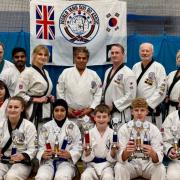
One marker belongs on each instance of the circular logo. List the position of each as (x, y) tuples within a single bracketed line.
[(79, 23)]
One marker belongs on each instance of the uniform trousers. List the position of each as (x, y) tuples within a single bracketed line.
[(173, 170), (65, 171), (91, 174), (139, 167), (13, 172)]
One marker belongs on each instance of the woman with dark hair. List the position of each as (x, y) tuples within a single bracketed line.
[(60, 145), (4, 96), (17, 142)]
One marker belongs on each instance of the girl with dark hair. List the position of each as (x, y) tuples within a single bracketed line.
[(4, 96)]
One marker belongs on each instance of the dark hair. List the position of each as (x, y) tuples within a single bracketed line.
[(102, 108), (23, 103), (78, 50), (1, 44), (18, 49), (3, 85), (118, 45)]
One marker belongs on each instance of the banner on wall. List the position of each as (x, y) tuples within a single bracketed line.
[(64, 25)]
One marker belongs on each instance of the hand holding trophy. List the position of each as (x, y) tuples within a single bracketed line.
[(45, 134), (174, 131)]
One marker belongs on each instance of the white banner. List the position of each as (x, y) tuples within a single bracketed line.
[(64, 25)]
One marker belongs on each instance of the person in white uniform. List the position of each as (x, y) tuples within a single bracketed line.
[(129, 164), (11, 75), (4, 98), (35, 86), (119, 87), (4, 64), (173, 81), (100, 147), (81, 88), (151, 82), (60, 146), (171, 138), (17, 142)]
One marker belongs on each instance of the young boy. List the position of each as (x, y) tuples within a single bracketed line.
[(101, 153), (130, 165)]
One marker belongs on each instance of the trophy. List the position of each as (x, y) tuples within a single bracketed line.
[(174, 131), (130, 126), (115, 123), (138, 141), (14, 149), (87, 139), (56, 145), (146, 139), (45, 134), (138, 126), (115, 139), (68, 138), (18, 139)]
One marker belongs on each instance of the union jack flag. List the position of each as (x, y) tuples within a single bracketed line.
[(45, 26)]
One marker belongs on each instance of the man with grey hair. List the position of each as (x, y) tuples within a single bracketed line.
[(4, 64), (151, 82)]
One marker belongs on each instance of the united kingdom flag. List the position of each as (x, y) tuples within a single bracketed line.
[(45, 26)]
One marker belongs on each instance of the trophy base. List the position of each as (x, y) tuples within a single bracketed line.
[(139, 155)]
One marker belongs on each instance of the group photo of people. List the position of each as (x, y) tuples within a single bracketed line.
[(119, 129), (82, 99)]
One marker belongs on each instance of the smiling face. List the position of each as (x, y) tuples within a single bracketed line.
[(101, 119), (40, 58), (59, 113), (146, 52), (14, 110)]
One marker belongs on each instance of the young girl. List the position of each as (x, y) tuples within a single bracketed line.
[(60, 145), (17, 137), (4, 96)]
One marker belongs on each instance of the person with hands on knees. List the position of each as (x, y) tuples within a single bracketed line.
[(100, 147), (171, 139), (60, 145), (141, 151), (17, 137)]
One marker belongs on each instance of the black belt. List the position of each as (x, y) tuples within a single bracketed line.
[(174, 104), (155, 112), (99, 160)]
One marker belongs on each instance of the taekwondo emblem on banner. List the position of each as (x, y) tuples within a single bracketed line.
[(64, 25)]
